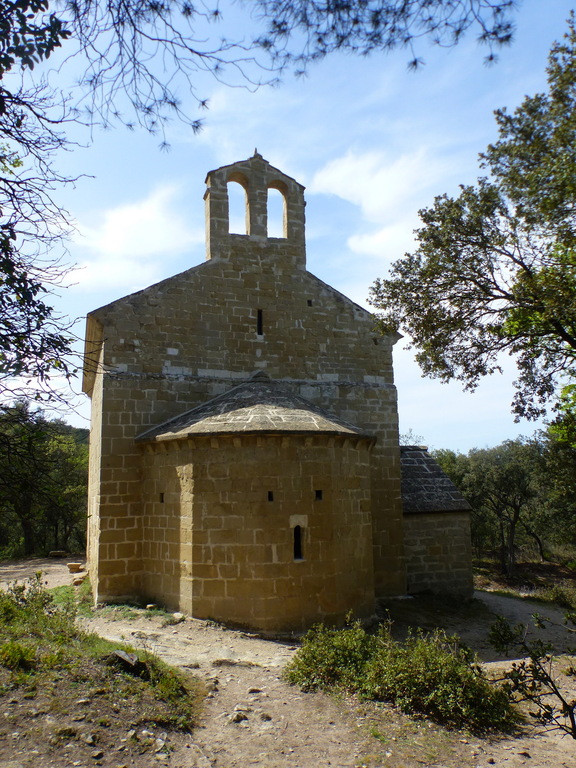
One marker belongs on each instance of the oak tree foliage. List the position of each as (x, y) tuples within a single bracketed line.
[(495, 268), (43, 482)]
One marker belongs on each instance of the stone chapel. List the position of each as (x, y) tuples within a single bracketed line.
[(244, 455)]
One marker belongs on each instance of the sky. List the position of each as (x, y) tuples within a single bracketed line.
[(372, 142)]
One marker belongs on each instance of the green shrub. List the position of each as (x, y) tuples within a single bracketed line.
[(331, 658), (433, 675), (564, 595), (430, 675), (14, 655)]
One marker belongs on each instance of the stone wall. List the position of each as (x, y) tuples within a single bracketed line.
[(219, 529), (438, 553)]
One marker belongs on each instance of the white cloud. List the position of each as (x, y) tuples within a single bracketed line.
[(133, 242), (390, 189), (381, 185), (389, 242)]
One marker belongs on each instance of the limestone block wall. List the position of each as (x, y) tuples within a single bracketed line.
[(219, 529), (438, 553), (94, 467), (165, 351)]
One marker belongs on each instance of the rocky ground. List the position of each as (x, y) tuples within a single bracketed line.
[(252, 717)]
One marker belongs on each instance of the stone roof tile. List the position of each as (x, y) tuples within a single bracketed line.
[(425, 486), (257, 405)]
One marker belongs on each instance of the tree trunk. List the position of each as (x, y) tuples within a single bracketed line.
[(24, 513), (29, 536)]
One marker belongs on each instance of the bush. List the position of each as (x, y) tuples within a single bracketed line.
[(433, 675), (430, 675), (331, 658), (564, 595), (17, 656)]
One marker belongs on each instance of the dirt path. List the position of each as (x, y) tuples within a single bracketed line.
[(253, 718)]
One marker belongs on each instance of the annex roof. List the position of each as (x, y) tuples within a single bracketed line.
[(425, 486)]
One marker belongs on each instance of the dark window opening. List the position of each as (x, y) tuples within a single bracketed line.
[(318, 495), (260, 322), (375, 341), (270, 495), (298, 543), (309, 302), (161, 498)]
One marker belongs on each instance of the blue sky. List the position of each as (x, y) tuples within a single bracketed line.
[(371, 141)]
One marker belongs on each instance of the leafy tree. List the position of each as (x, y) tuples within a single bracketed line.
[(301, 31), (495, 268), (559, 440), (43, 478), (34, 341), (508, 488)]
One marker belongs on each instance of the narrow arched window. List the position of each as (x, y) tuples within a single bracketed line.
[(237, 209), (276, 213), (298, 554)]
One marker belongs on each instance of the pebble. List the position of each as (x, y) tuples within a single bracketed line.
[(97, 754)]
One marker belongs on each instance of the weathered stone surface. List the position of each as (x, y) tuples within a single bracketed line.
[(425, 487)]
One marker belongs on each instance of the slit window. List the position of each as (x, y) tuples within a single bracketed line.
[(270, 495), (298, 542), (318, 495), (260, 322), (161, 498)]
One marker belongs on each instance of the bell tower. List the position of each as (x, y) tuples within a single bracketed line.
[(256, 177)]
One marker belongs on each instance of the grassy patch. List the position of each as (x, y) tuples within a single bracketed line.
[(544, 582), (427, 674), (42, 649)]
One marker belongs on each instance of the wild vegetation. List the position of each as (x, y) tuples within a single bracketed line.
[(427, 674), (523, 495), (88, 688), (43, 483)]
